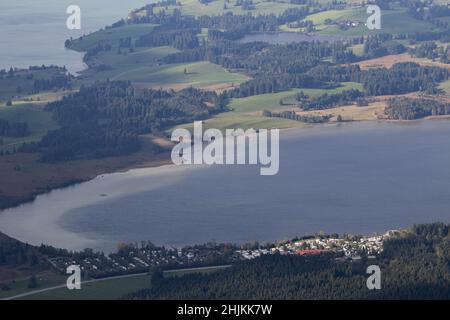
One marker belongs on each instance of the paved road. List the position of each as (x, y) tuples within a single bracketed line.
[(22, 295)]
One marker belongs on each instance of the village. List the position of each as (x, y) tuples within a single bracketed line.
[(135, 259), (347, 248)]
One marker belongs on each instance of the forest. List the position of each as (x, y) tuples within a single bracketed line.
[(105, 119), (413, 266), (292, 115), (411, 109), (13, 129)]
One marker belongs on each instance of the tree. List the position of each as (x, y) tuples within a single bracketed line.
[(9, 103), (32, 282)]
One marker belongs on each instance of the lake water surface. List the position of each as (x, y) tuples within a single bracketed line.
[(33, 32), (351, 178)]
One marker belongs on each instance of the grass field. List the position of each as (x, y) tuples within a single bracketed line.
[(124, 67), (22, 82), (101, 290), (194, 7), (41, 98), (390, 60), (246, 112), (233, 120), (198, 74), (39, 123), (110, 36), (20, 286), (109, 289), (445, 86), (44, 280), (396, 20), (271, 101), (358, 49)]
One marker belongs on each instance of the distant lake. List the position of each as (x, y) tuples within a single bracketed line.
[(286, 37), (33, 32), (358, 178)]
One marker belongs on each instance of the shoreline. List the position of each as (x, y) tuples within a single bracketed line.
[(163, 159), (129, 185)]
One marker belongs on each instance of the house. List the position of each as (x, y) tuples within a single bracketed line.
[(309, 252)]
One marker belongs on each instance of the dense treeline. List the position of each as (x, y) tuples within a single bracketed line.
[(180, 39), (271, 84), (403, 78), (431, 50), (414, 266), (258, 58), (239, 24), (106, 119), (411, 109), (326, 101), (33, 80), (55, 82), (273, 67), (282, 67), (13, 129), (292, 115), (16, 253), (381, 45)]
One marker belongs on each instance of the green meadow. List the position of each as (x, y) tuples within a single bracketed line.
[(245, 112), (108, 289), (196, 74), (39, 123), (395, 20), (22, 82), (194, 7), (144, 65), (44, 280), (112, 289), (271, 101), (123, 66), (445, 86), (110, 36), (233, 120)]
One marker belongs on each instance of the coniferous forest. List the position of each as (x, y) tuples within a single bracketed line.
[(413, 266)]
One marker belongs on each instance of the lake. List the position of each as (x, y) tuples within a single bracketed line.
[(33, 32), (286, 37), (357, 178)]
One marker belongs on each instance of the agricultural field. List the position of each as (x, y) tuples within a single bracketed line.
[(395, 20), (21, 82), (194, 7), (39, 123), (177, 76), (358, 50), (445, 86), (108, 289), (123, 67), (245, 113), (389, 60), (110, 36), (271, 101), (232, 120), (111, 289), (20, 286), (143, 65)]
